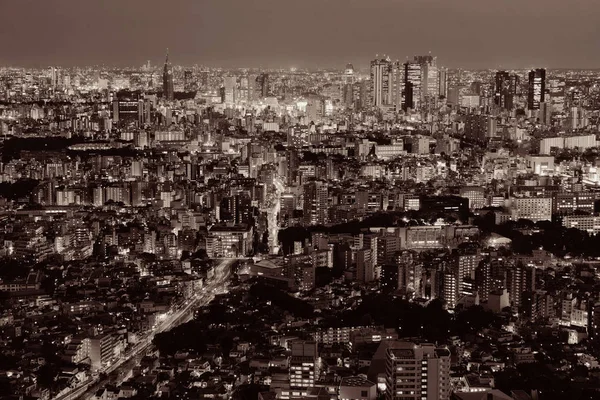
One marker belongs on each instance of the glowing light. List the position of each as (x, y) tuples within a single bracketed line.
[(273, 208)]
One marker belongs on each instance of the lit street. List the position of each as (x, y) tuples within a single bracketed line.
[(133, 355)]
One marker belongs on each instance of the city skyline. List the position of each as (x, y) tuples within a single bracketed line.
[(309, 200), (468, 34)]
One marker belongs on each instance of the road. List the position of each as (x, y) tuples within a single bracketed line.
[(125, 364)]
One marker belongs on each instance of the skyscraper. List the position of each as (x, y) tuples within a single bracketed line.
[(429, 79), (537, 88), (54, 76), (381, 82), (244, 89), (412, 85), (347, 93), (443, 83), (168, 79), (262, 85), (505, 90), (125, 110), (417, 372), (230, 85), (349, 76)]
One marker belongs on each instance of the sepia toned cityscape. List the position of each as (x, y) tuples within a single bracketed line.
[(391, 228)]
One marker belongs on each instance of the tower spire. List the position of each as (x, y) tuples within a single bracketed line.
[(168, 79)]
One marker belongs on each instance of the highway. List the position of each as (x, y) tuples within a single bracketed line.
[(125, 364)]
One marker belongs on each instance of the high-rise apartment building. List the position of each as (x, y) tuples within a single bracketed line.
[(520, 279), (466, 264), (417, 372), (364, 266), (315, 203), (449, 288)]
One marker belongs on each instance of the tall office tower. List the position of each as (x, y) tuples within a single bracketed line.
[(315, 108), (262, 85), (125, 108), (360, 95), (537, 88), (54, 75), (315, 203), (545, 114), (292, 166), (429, 79), (397, 84), (304, 368), (348, 95), (412, 85), (253, 88), (443, 83), (187, 80), (230, 83), (349, 77), (347, 89), (505, 90), (168, 89), (417, 372), (244, 89), (381, 82)]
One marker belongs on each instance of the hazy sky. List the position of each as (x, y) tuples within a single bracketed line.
[(303, 33)]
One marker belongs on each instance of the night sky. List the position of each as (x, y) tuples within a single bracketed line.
[(301, 33)]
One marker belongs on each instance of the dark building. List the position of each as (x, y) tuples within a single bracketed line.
[(476, 126), (565, 203), (520, 279), (445, 204), (537, 88), (360, 95), (505, 90), (389, 278), (412, 84), (408, 97), (126, 108), (168, 88), (262, 85)]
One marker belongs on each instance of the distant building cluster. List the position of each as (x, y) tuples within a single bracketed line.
[(402, 231)]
